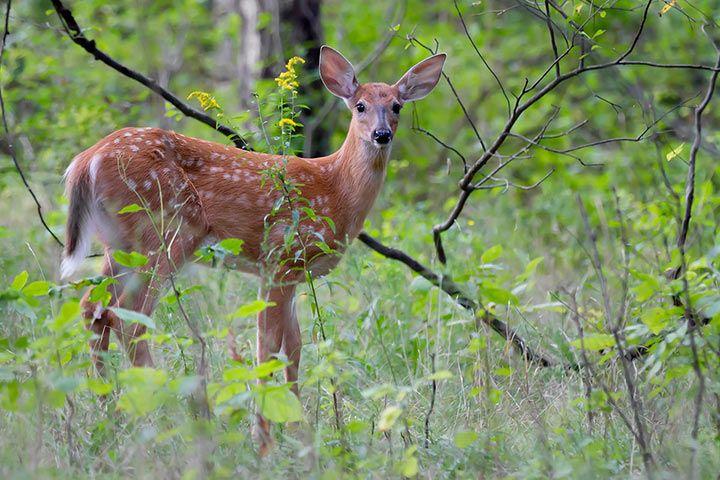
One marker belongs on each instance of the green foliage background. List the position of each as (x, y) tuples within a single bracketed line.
[(390, 334)]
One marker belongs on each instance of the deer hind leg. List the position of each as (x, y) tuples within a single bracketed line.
[(271, 325), (141, 296), (98, 319)]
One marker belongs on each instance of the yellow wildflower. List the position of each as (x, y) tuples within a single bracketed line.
[(287, 80), (288, 122), (207, 101)]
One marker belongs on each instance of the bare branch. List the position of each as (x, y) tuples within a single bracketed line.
[(76, 35), (8, 136), (447, 285)]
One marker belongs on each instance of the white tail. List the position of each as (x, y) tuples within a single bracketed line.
[(193, 192)]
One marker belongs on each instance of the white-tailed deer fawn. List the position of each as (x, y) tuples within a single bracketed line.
[(195, 192)]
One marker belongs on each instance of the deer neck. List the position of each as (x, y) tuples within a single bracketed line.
[(358, 175)]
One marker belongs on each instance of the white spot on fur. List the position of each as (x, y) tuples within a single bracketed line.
[(147, 185), (134, 148)]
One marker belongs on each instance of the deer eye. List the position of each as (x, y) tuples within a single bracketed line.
[(396, 108), (360, 107)]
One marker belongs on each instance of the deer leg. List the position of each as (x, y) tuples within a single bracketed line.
[(270, 328), (98, 319), (142, 297), (139, 296), (292, 348)]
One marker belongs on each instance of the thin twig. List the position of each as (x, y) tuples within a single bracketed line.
[(11, 148), (76, 35), (482, 58), (432, 401)]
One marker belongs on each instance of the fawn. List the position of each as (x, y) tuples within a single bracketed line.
[(196, 192)]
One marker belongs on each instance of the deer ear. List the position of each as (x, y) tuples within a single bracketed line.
[(337, 73), (421, 79)]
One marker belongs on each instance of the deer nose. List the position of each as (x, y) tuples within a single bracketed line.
[(382, 136)]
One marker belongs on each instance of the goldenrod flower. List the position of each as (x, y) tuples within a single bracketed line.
[(207, 101), (288, 122), (287, 80)]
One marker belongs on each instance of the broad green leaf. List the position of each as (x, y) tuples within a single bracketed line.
[(99, 387), (232, 245), (133, 316), (19, 281), (252, 308), (657, 318), (409, 465), (279, 404), (266, 369), (595, 342), (492, 253), (99, 293), (68, 312), (465, 438), (130, 260), (37, 288), (496, 294)]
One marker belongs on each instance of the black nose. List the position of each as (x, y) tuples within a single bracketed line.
[(382, 136)]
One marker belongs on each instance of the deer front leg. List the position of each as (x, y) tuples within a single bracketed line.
[(292, 348), (271, 325)]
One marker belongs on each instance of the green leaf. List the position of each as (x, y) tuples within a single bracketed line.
[(530, 269), (252, 308), (492, 253), (133, 316), (465, 438), (130, 260), (656, 319), (99, 293), (132, 208), (243, 374), (595, 342), (37, 289), (99, 387), (496, 294), (266, 369), (68, 312), (232, 245), (325, 248), (409, 464), (279, 404), (388, 417), (19, 281)]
